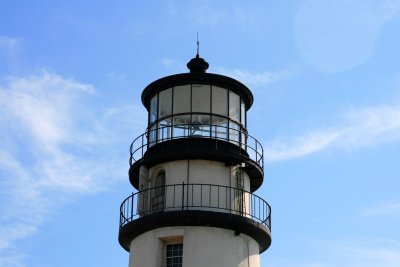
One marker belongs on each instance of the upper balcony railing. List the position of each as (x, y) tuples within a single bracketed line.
[(193, 197), (251, 148)]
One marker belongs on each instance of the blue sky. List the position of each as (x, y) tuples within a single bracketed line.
[(326, 80)]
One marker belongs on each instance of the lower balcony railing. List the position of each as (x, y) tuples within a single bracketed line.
[(202, 197)]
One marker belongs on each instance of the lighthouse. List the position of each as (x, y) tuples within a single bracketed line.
[(196, 170)]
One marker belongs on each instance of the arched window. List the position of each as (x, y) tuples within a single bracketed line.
[(158, 191), (239, 191)]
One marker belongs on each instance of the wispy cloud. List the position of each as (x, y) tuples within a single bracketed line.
[(390, 9), (116, 76), (253, 79), (10, 48), (54, 146), (387, 208), (204, 14), (300, 146), (359, 128), (174, 65), (7, 42), (348, 254), (199, 13), (213, 16), (258, 79)]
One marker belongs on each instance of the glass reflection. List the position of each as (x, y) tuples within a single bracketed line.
[(153, 108), (219, 101), (201, 98), (234, 104), (197, 111), (165, 105), (181, 99), (234, 130)]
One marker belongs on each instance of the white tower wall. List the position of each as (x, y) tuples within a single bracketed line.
[(200, 247), (193, 172)]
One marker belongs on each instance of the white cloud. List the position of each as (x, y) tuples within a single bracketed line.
[(359, 128), (258, 79), (54, 146), (301, 146)]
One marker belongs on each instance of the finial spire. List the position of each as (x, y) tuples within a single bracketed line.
[(197, 65), (198, 45)]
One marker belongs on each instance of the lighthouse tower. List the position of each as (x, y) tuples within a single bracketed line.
[(195, 168)]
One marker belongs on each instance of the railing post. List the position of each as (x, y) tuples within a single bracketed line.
[(187, 196), (131, 217), (183, 194), (142, 145), (120, 217), (131, 152), (230, 200), (262, 157), (256, 151), (269, 219)]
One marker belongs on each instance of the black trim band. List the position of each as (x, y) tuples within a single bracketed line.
[(236, 223), (197, 78)]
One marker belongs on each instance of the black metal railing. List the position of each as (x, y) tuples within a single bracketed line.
[(204, 197), (253, 148)]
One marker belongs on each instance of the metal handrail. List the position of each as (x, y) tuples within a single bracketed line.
[(253, 148), (182, 197)]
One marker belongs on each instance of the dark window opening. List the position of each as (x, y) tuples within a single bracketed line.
[(174, 254)]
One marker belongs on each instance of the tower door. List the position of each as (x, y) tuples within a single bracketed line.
[(158, 192)]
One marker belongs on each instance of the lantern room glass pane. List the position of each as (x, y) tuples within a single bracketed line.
[(243, 140), (219, 128), (165, 106), (182, 99), (234, 106), (164, 130), (182, 119), (153, 135), (153, 109), (234, 132), (199, 130), (181, 126), (200, 119), (201, 98), (243, 113), (219, 101)]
